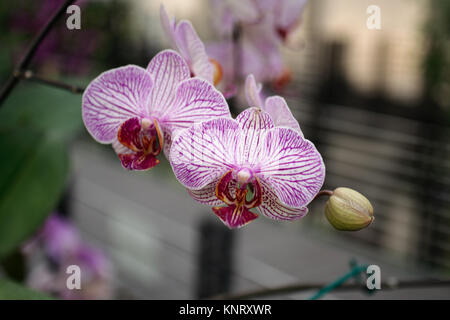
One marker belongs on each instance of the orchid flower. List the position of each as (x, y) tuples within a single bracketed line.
[(248, 163), (258, 51), (275, 106), (228, 13), (257, 55), (286, 14), (59, 241), (184, 39), (265, 26), (58, 238), (137, 110)]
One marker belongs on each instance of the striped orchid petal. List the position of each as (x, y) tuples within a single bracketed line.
[(272, 207), (206, 195), (167, 70), (201, 154), (195, 100), (255, 124), (112, 98), (291, 166)]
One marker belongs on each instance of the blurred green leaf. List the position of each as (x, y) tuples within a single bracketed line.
[(13, 291), (41, 107), (36, 124), (32, 175), (14, 266)]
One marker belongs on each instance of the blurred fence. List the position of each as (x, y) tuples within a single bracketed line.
[(397, 155)]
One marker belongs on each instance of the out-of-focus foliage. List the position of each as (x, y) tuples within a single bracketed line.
[(36, 124), (13, 291), (437, 59), (69, 52)]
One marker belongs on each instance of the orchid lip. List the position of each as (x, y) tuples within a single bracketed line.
[(236, 213), (144, 139)]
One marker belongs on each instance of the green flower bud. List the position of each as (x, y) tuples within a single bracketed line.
[(348, 210)]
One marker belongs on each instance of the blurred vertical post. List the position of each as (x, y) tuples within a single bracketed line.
[(433, 107), (215, 259)]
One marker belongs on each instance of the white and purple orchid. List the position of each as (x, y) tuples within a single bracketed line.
[(287, 14), (184, 39), (137, 110), (248, 163), (265, 26)]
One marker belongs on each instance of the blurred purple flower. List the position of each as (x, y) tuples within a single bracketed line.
[(264, 27), (61, 244), (59, 237), (137, 110), (222, 160), (228, 13)]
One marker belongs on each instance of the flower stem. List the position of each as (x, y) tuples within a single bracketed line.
[(391, 284), (29, 54), (30, 75), (321, 193)]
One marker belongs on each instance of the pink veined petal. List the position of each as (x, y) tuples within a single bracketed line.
[(168, 26), (167, 69), (193, 49), (252, 91), (196, 100), (203, 153), (280, 113), (112, 98), (291, 166), (255, 124), (272, 208), (207, 195)]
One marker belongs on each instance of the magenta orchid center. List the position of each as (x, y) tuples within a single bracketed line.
[(237, 213), (143, 140)]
